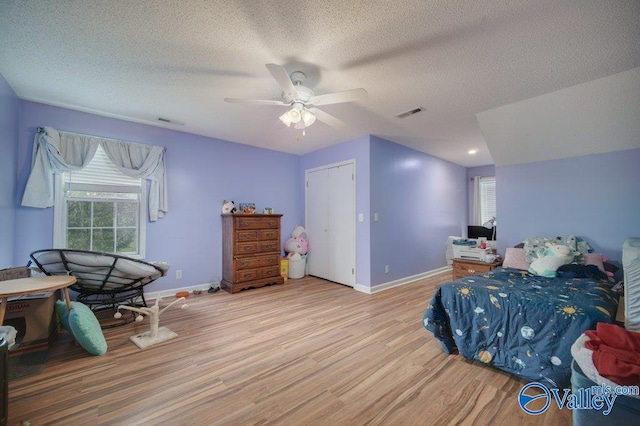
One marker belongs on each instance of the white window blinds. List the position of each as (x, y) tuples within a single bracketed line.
[(100, 171), (487, 199)]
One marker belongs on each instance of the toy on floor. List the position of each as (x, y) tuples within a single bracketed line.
[(155, 334)]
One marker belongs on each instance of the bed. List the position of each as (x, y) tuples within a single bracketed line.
[(518, 322)]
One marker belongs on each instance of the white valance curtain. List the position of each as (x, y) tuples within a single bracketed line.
[(57, 152)]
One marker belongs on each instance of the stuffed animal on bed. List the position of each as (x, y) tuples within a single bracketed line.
[(550, 259)]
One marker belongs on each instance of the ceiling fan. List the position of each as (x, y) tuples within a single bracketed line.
[(301, 100)]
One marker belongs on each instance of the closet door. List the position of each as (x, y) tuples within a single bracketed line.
[(317, 223), (330, 223), (342, 234)]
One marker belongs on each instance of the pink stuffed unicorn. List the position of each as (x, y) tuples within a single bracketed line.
[(297, 243)]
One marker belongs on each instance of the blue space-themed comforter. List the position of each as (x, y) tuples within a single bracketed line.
[(518, 322)]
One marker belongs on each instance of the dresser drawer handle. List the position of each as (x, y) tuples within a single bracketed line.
[(245, 263), (247, 235), (471, 271)]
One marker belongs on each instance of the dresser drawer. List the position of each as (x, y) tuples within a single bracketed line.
[(272, 271), (256, 222), (268, 234), (246, 275), (266, 246), (247, 235), (246, 247), (257, 262)]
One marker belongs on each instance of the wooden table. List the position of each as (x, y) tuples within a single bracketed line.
[(31, 285)]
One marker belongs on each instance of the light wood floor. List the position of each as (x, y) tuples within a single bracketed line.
[(306, 352)]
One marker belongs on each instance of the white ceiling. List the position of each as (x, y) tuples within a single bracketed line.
[(144, 59)]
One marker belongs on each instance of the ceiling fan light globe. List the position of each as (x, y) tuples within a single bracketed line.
[(299, 125), (285, 119), (308, 118), (294, 115)]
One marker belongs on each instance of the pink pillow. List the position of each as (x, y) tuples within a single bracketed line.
[(515, 258), (594, 259)]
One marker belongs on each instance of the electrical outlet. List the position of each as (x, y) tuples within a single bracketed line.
[(178, 274), (375, 217), (386, 269)]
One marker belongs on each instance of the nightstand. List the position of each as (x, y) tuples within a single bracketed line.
[(465, 267)]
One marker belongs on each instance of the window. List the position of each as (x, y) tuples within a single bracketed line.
[(487, 199), (100, 209)]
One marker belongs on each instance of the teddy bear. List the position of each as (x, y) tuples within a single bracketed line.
[(550, 259), (297, 244), (228, 207)]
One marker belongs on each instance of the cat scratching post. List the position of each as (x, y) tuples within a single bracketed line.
[(155, 334)]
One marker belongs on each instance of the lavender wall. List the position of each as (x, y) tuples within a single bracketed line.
[(420, 201), (8, 145), (596, 197), (201, 172), (483, 171), (358, 150)]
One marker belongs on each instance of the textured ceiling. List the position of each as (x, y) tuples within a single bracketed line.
[(144, 59)]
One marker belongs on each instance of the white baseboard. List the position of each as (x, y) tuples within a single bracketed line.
[(151, 296), (401, 281)]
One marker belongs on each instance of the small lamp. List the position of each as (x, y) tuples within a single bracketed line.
[(491, 224)]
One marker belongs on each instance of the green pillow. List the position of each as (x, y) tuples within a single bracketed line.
[(63, 313), (86, 329)]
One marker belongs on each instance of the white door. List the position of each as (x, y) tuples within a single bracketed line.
[(330, 223), (317, 223)]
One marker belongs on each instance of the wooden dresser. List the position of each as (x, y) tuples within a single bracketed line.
[(465, 267), (250, 251)]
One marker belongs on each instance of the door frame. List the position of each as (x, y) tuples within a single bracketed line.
[(351, 161)]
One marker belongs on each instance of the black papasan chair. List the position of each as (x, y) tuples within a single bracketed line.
[(103, 280)]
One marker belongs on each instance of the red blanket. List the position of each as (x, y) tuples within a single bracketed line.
[(616, 353)]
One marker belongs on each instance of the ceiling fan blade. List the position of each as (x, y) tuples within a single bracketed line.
[(327, 118), (253, 101), (284, 81), (339, 97)]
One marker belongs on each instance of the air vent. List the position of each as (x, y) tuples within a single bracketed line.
[(166, 120), (410, 112)]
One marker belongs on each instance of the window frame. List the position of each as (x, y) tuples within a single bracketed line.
[(60, 208)]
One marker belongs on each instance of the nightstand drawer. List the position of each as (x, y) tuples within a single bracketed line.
[(464, 267)]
